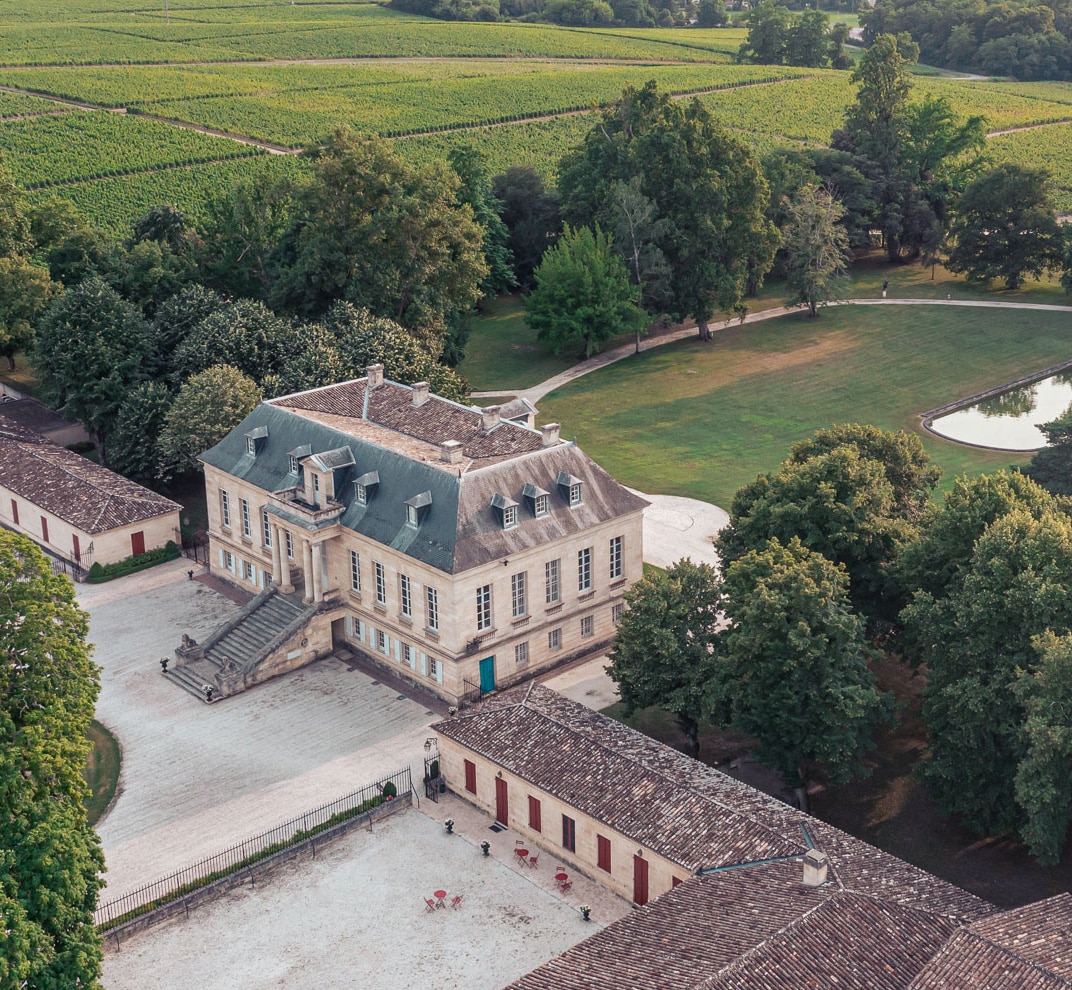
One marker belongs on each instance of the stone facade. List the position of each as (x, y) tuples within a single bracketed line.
[(462, 550), (74, 508)]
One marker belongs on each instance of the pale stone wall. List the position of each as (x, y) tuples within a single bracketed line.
[(108, 547), (453, 648), (661, 872)]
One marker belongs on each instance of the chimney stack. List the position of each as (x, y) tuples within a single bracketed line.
[(375, 375), (420, 394), (550, 434), (451, 452), (814, 868), (490, 417)]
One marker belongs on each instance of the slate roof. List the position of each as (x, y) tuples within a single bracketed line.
[(386, 434), (89, 497), (746, 921)]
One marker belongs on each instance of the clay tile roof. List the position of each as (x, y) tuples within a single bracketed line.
[(756, 928), (390, 405), (969, 962), (1027, 948), (674, 806), (85, 495)]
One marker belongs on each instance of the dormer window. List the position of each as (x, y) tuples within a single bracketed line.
[(255, 439), (506, 509), (537, 501), (417, 508), (294, 457), (366, 486), (570, 487)]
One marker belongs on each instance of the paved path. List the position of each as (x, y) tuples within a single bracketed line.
[(687, 331)]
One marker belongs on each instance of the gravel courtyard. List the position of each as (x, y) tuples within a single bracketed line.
[(197, 778), (355, 916)]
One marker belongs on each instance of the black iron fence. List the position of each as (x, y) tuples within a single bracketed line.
[(364, 802)]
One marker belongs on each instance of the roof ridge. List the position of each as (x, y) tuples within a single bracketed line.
[(969, 933)]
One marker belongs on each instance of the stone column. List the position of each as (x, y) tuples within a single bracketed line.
[(277, 569), (307, 566), (318, 572), (279, 543)]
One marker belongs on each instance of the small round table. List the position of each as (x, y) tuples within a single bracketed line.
[(560, 876), (441, 897), (522, 854)]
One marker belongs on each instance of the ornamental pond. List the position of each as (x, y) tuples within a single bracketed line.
[(1009, 420)]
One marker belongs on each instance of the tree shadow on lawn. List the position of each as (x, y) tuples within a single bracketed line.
[(891, 810)]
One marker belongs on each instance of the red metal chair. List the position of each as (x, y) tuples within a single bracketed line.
[(430, 905), (565, 886), (455, 902), (534, 859)]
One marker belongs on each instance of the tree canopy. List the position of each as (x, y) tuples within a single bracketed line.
[(977, 640), (794, 670), (704, 183), (50, 858), (663, 649), (816, 248), (1005, 227), (583, 296), (372, 230), (89, 351)]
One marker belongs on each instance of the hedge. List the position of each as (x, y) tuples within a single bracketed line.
[(98, 573)]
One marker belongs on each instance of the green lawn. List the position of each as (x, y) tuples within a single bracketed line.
[(503, 353), (102, 771), (703, 419)]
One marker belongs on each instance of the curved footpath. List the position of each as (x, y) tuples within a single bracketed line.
[(594, 363)]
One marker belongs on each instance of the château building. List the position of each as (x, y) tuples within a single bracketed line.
[(464, 550)]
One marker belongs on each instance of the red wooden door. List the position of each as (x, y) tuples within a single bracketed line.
[(15, 511), (502, 804), (470, 776), (77, 548), (137, 543), (640, 880), (44, 529)]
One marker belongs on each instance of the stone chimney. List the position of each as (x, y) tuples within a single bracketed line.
[(550, 434), (420, 394), (814, 868), (450, 451), (490, 417), (375, 375)]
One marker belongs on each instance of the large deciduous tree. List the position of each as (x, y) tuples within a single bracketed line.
[(208, 406), (530, 212), (1005, 227), (583, 295), (816, 247), (372, 230), (977, 641), (705, 183), (50, 858), (90, 349), (794, 673), (663, 650)]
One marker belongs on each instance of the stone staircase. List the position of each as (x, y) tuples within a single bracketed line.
[(227, 661)]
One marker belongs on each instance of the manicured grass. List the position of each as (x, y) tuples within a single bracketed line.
[(703, 419), (102, 771), (503, 353)]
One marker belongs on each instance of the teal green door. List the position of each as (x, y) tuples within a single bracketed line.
[(487, 675)]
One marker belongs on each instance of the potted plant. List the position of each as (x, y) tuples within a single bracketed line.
[(586, 912), (485, 847), (449, 826)]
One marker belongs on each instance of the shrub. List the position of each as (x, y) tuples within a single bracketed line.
[(139, 562)]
